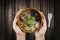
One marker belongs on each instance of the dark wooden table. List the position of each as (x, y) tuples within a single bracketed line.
[(8, 10)]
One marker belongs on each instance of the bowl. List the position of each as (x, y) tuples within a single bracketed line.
[(29, 20)]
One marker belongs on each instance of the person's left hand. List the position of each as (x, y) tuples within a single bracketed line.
[(20, 35)]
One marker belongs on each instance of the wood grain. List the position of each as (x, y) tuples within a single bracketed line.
[(9, 8)]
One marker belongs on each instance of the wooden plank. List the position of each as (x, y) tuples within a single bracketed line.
[(9, 9)]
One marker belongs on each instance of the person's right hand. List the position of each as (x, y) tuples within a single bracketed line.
[(41, 33)]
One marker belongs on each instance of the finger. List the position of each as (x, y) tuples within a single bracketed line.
[(15, 19), (43, 18), (18, 13), (16, 28), (44, 27), (42, 15)]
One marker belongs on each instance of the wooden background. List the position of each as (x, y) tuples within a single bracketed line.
[(8, 9)]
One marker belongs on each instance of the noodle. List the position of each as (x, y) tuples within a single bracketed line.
[(29, 20)]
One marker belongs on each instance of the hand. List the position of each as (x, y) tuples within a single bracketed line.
[(19, 33), (40, 34)]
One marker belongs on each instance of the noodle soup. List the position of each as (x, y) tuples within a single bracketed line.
[(29, 20)]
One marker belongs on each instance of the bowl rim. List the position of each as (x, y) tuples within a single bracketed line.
[(26, 9)]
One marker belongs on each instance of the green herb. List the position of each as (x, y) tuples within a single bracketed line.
[(30, 21)]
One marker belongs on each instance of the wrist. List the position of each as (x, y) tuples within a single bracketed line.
[(40, 37), (20, 37)]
